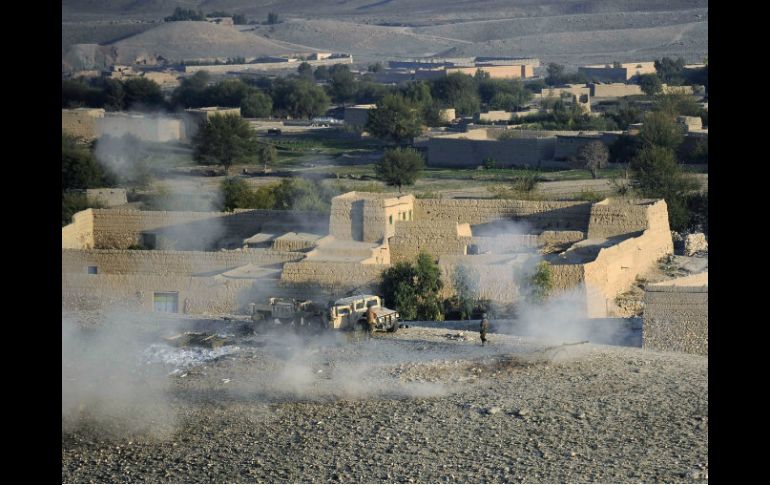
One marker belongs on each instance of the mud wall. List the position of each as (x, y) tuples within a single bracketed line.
[(119, 229), (456, 152), (615, 90), (195, 295), (572, 215), (437, 238), (81, 122), (614, 270), (79, 234), (188, 263), (332, 273)]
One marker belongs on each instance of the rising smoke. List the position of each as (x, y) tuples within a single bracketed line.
[(104, 381)]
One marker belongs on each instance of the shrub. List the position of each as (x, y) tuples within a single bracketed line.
[(541, 282), (413, 288)]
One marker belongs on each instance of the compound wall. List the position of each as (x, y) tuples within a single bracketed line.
[(148, 128), (332, 273), (81, 122), (457, 152), (572, 215), (121, 228), (438, 238), (79, 234), (614, 90), (195, 294), (187, 263), (615, 268)]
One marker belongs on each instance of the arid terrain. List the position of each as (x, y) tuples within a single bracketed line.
[(422, 405), (571, 33)]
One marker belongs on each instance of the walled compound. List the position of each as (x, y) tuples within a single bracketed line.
[(676, 315), (81, 122), (509, 147), (90, 124), (617, 73), (203, 262)]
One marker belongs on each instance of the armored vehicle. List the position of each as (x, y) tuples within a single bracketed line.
[(350, 314), (289, 312)]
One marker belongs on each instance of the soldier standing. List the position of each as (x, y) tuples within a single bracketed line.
[(371, 320), (483, 328)]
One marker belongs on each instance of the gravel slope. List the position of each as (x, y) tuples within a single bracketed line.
[(415, 406)]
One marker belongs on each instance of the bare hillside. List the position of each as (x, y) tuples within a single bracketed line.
[(567, 31), (689, 41), (407, 11), (184, 40), (359, 39)]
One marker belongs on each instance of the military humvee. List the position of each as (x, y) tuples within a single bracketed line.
[(289, 312), (350, 314)]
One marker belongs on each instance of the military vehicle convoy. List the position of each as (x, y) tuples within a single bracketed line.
[(344, 314)]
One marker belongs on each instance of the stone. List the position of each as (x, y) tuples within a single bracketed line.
[(694, 243)]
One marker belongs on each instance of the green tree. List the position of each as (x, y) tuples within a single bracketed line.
[(670, 71), (229, 92), (660, 130), (79, 168), (113, 94), (376, 67), (299, 98), (414, 289), (657, 175), (142, 94), (300, 194), (321, 73), (74, 202), (555, 74), (593, 156), (272, 18), (266, 154), (236, 194), (76, 93), (223, 140), (256, 104), (650, 84), (506, 102), (305, 71), (190, 92), (624, 148), (394, 119), (343, 84), (625, 114), (181, 14), (400, 167), (457, 91), (509, 95), (397, 289), (677, 103)]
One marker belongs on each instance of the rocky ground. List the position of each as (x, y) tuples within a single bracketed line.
[(426, 404)]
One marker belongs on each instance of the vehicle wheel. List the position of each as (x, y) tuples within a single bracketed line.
[(393, 328)]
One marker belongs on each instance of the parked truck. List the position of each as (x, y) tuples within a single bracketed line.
[(288, 312), (350, 314), (344, 314)]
